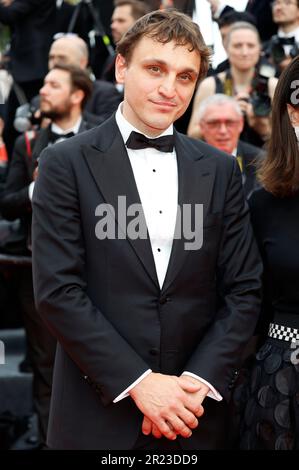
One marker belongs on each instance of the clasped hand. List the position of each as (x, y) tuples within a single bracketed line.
[(171, 405)]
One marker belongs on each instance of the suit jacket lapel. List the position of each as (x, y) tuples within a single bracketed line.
[(42, 142), (110, 166), (248, 173), (195, 180)]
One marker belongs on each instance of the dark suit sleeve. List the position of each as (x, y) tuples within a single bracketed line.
[(17, 10), (60, 285), (104, 101), (238, 279), (226, 9), (15, 200)]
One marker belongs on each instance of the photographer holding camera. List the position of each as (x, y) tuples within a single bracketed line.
[(245, 80)]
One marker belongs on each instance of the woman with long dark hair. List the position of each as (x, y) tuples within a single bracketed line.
[(271, 418)]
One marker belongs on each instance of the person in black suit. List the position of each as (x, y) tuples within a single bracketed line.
[(32, 24), (63, 96), (150, 321), (221, 122), (260, 9)]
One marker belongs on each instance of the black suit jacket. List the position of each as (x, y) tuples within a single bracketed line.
[(262, 11), (251, 156), (102, 301), (33, 24), (103, 102), (15, 202)]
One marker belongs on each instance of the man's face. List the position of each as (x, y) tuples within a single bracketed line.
[(121, 21), (63, 51), (221, 126), (285, 12), (56, 95), (243, 49), (159, 82)]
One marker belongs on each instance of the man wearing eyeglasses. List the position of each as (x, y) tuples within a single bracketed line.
[(221, 122)]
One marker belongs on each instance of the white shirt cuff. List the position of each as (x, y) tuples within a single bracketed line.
[(212, 393), (125, 393), (30, 190)]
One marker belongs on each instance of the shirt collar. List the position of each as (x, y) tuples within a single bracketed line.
[(74, 129), (126, 128), (290, 34)]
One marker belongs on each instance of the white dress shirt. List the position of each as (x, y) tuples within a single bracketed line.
[(156, 178)]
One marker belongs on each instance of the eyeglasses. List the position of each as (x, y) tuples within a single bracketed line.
[(64, 35), (216, 124), (285, 3)]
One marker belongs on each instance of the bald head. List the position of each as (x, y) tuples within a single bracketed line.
[(68, 50)]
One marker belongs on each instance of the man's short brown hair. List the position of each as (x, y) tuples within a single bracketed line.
[(165, 26), (138, 9), (79, 80)]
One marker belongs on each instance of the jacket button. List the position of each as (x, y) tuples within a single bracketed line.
[(163, 300), (154, 352)]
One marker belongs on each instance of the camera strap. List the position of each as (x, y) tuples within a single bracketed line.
[(29, 136)]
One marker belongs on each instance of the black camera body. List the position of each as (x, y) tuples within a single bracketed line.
[(25, 118), (276, 51), (260, 99)]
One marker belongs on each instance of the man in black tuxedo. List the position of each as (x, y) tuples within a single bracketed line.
[(63, 96), (150, 320)]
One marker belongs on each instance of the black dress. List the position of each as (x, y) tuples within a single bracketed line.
[(271, 397)]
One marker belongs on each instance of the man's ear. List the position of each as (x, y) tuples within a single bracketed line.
[(120, 68), (77, 96)]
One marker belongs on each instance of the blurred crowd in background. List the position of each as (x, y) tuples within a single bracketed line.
[(57, 79)]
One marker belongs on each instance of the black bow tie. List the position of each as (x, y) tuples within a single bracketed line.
[(138, 141), (287, 41), (53, 136)]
